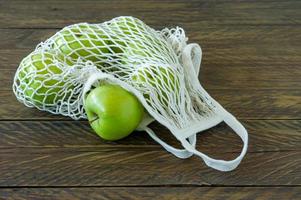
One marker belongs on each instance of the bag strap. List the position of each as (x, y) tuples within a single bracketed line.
[(192, 58), (223, 165), (180, 153)]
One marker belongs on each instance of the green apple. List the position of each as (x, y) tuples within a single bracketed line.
[(162, 79), (142, 42), (139, 40), (86, 41), (127, 25), (112, 111), (130, 29), (36, 77)]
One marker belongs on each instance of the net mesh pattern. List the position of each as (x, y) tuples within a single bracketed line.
[(52, 77)]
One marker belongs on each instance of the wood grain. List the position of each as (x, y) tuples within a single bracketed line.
[(211, 35), (220, 76), (150, 193), (140, 167), (249, 104), (232, 56), (157, 13), (265, 136), (12, 109)]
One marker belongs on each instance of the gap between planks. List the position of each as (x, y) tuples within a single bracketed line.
[(155, 186)]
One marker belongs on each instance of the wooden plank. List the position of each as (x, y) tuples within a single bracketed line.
[(249, 104), (212, 35), (214, 58), (150, 193), (219, 76), (264, 136), (14, 14), (18, 39), (10, 59), (233, 57), (140, 166), (11, 108)]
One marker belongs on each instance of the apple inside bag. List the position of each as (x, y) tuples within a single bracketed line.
[(52, 77)]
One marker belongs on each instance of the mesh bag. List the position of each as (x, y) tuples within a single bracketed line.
[(159, 67)]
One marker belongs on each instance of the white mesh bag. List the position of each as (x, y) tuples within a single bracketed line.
[(159, 67)]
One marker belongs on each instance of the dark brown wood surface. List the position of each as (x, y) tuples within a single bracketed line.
[(150, 193), (251, 65)]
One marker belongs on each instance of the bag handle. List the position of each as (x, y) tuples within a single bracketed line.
[(192, 58), (223, 165), (180, 153)]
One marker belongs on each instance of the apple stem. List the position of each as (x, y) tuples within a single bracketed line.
[(96, 118)]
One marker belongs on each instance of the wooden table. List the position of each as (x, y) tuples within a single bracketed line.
[(251, 65)]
